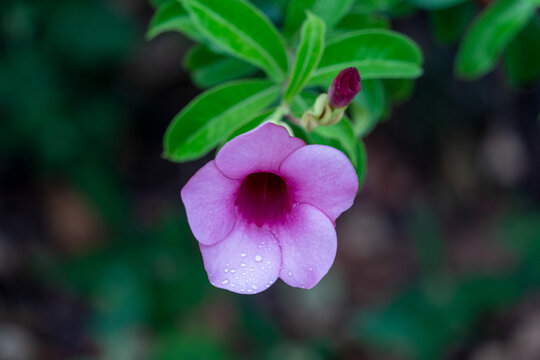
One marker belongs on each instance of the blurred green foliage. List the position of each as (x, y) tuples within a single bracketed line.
[(426, 319), (59, 106)]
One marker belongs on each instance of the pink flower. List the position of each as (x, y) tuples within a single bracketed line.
[(266, 208), (344, 88)]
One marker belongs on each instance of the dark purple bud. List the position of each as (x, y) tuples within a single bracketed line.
[(344, 88)]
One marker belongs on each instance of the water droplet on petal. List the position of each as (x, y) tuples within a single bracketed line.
[(233, 271), (243, 265), (258, 258), (224, 282), (243, 255), (289, 273), (254, 287)]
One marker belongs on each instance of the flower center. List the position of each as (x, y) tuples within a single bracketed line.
[(263, 199)]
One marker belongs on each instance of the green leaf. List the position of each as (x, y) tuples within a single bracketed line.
[(489, 34), (435, 4), (308, 56), (303, 102), (221, 71), (449, 24), (363, 20), (213, 115), (209, 69), (329, 11), (171, 16), (375, 5), (243, 31), (522, 57), (368, 107), (376, 53), (251, 124)]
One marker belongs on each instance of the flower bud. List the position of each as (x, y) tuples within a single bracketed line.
[(344, 88), (319, 114)]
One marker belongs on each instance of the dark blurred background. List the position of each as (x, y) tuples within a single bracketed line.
[(438, 259)]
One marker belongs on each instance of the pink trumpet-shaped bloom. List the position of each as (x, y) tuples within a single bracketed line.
[(266, 208)]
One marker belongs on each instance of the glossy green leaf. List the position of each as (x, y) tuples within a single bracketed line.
[(330, 12), (489, 34), (522, 57), (221, 71), (368, 107), (213, 115), (209, 69), (449, 24), (243, 31), (308, 56), (251, 124), (376, 53), (435, 4), (171, 16)]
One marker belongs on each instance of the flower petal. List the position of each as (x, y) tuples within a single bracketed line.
[(246, 262), (209, 201), (308, 246), (260, 150), (321, 176)]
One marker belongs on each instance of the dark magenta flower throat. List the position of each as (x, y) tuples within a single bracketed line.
[(263, 198)]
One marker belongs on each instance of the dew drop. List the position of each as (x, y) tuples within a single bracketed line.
[(224, 282), (289, 273), (243, 265), (233, 271), (254, 287), (258, 258), (226, 270), (243, 255)]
